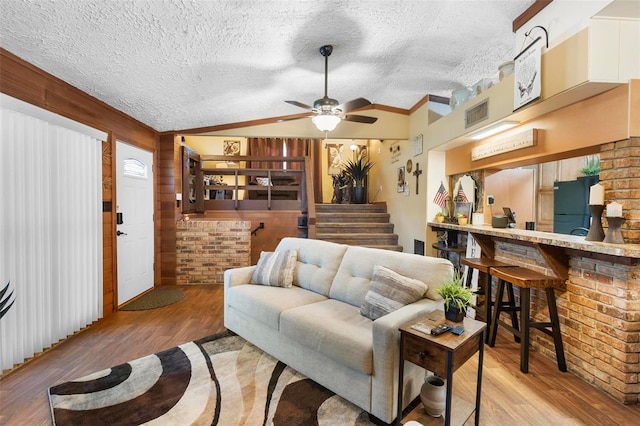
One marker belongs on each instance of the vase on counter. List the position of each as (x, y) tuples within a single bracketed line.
[(433, 395)]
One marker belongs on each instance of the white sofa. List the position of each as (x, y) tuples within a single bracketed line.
[(316, 327)]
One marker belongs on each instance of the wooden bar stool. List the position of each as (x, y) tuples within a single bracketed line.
[(484, 265), (526, 279)]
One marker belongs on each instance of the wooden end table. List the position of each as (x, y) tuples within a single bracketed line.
[(441, 354)]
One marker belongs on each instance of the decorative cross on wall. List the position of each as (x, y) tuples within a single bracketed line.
[(417, 174)]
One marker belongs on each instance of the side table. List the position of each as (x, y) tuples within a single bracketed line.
[(442, 354)]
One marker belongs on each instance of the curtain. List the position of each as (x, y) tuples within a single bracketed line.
[(265, 147), (275, 147), (50, 228)]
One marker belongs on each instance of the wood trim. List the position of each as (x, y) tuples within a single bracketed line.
[(387, 108), (429, 98), (272, 120), (532, 11)]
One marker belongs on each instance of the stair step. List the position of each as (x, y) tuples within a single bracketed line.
[(391, 247), (354, 227), (360, 239), (351, 208), (364, 225), (352, 217)]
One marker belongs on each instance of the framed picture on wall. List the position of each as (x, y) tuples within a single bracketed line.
[(335, 157), (231, 148), (401, 178)]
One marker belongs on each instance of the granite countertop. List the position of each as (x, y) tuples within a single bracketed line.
[(559, 240)]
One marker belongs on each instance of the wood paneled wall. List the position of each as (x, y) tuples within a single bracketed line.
[(169, 179), (28, 83)]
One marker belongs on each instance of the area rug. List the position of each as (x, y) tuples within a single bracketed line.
[(156, 298), (219, 380)]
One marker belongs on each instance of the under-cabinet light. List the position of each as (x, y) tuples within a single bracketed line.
[(493, 129)]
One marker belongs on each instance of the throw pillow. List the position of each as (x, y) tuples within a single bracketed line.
[(275, 268), (390, 291)]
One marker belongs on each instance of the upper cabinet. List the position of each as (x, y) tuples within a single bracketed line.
[(600, 57)]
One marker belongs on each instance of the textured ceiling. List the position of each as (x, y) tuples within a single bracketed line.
[(179, 64)]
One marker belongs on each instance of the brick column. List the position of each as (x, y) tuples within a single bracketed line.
[(620, 176)]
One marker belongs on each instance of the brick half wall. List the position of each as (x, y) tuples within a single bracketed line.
[(206, 248), (599, 316)]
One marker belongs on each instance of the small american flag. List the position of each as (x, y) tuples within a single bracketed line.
[(462, 196), (441, 195)]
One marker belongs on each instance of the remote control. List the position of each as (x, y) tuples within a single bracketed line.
[(442, 328), (457, 330)]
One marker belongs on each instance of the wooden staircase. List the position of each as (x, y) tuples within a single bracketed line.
[(357, 225)]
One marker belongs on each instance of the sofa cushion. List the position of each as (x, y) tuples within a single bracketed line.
[(334, 329), (318, 262), (275, 268), (265, 304), (390, 291), (353, 278)]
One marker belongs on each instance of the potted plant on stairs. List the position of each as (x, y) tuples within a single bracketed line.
[(456, 297), (357, 170)]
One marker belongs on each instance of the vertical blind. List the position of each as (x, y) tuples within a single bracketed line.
[(50, 228)]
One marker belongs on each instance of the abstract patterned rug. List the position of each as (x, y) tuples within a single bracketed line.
[(218, 380)]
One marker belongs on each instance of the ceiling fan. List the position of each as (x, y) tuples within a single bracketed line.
[(326, 112)]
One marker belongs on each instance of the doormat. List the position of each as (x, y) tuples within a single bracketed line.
[(156, 298)]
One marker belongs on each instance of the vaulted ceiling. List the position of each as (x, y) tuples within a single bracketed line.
[(181, 64)]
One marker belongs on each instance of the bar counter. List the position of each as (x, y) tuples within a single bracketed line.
[(599, 308), (548, 238)]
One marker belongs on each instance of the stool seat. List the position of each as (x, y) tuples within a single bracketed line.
[(483, 264), (525, 278)]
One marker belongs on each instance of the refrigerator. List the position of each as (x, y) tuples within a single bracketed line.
[(571, 205)]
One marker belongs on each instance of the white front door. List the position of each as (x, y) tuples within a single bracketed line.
[(134, 208)]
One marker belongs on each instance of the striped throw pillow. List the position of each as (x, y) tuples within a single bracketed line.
[(390, 291), (275, 268)]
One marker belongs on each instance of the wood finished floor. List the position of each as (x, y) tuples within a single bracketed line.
[(543, 397)]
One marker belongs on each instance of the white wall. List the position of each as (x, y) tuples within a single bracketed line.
[(562, 19)]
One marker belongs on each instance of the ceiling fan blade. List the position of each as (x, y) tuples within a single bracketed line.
[(299, 104), (360, 119), (294, 117), (353, 105)]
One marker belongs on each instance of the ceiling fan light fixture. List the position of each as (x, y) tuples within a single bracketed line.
[(326, 122)]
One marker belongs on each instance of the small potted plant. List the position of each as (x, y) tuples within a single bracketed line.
[(456, 297), (439, 217), (463, 219)]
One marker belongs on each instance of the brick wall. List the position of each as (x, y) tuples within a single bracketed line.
[(206, 248), (620, 176), (599, 318)]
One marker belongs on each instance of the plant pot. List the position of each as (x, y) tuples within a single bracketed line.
[(359, 194), (433, 395), (439, 219), (462, 221), (454, 314)]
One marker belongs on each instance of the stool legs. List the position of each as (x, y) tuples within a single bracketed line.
[(525, 318), (555, 328), (523, 334), (513, 309), (493, 329), (501, 306), (488, 304)]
